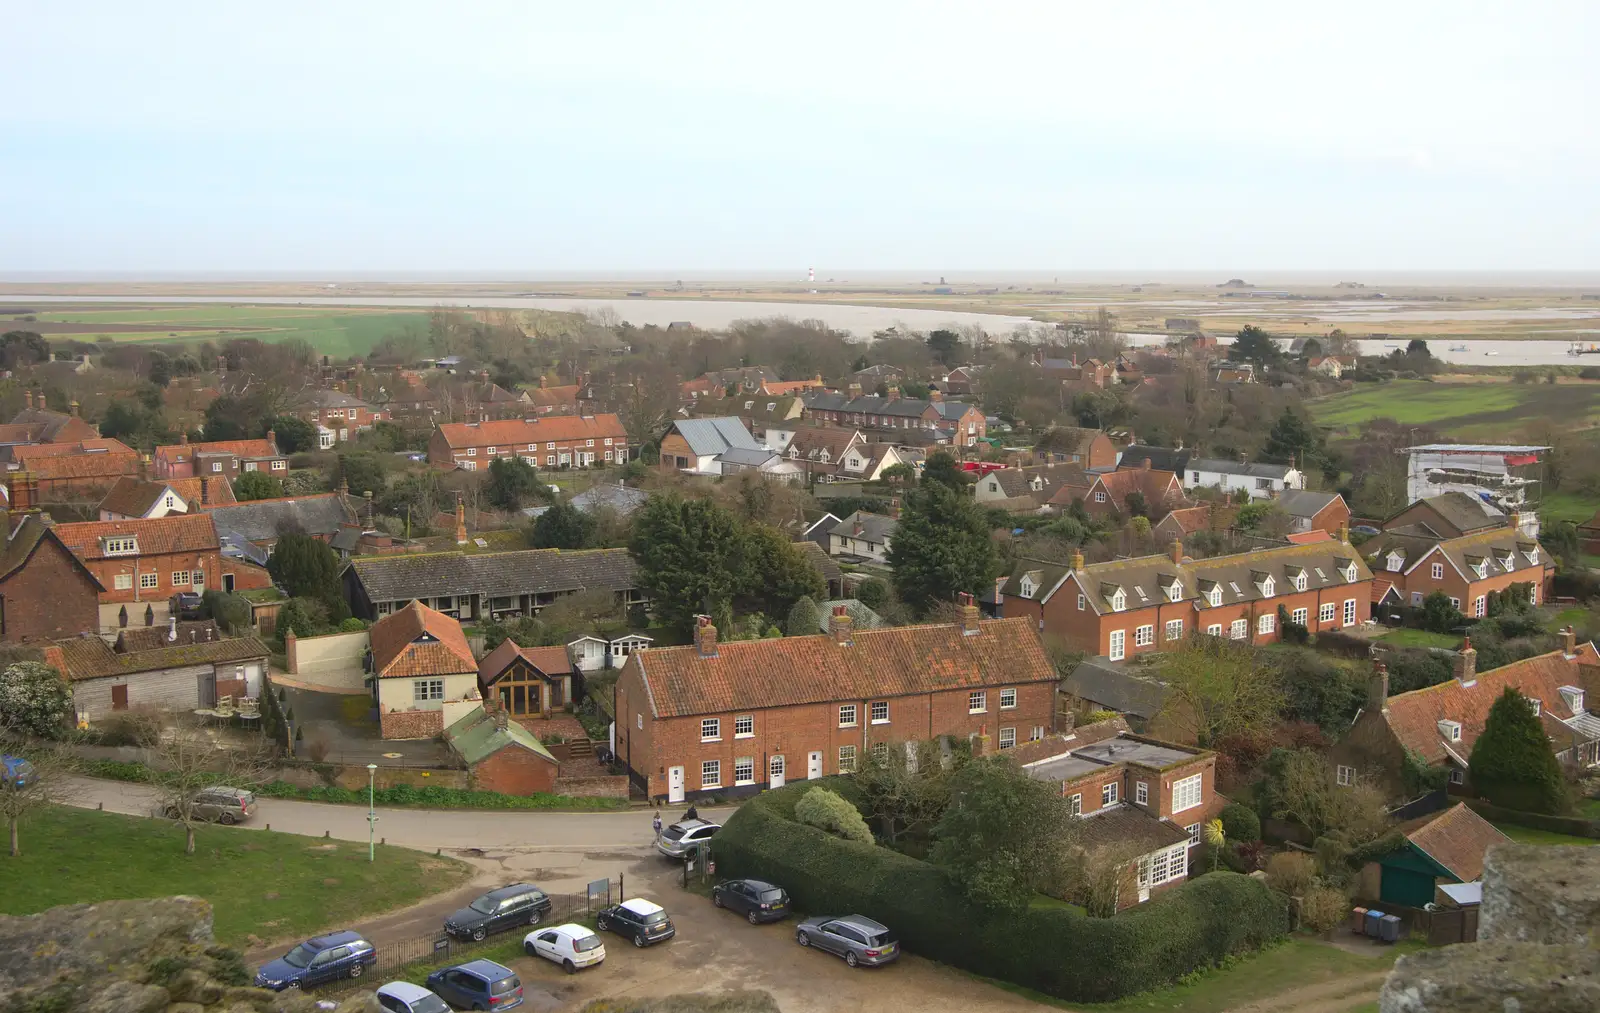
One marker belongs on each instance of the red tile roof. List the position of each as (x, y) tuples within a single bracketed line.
[(108, 466), (1457, 839), (1189, 519), (418, 641), (563, 395), (1414, 717), (1308, 537), (521, 432), (1380, 588), (238, 448), (549, 660), (896, 661), (100, 447), (157, 536)]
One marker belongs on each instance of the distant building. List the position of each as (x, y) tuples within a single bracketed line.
[(554, 441), (1260, 481), (228, 458), (1509, 477), (694, 446)]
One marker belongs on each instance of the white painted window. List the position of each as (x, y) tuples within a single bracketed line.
[(492, 451), (1299, 582), (1119, 600), (1008, 699), (1193, 830), (744, 770), (847, 759), (1099, 497), (1345, 776), (1455, 602), (608, 455), (1082, 603), (149, 581), (121, 545), (1456, 777), (180, 578), (1108, 793), (472, 451), (1144, 636), (1186, 793), (1141, 793), (1214, 597), (549, 460), (1008, 738), (977, 701), (1075, 804), (1266, 623), (1239, 629), (1438, 571), (1480, 605), (1349, 611), (1174, 629), (384, 608), (1395, 561), (588, 443), (710, 773), (1326, 612), (847, 715), (1214, 630), (1298, 617), (532, 447), (1036, 734), (427, 689), (710, 729), (217, 466), (880, 712), (1118, 649), (123, 582), (744, 726)]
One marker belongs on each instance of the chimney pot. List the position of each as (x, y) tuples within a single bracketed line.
[(1077, 559), (1144, 465), (73, 408), (969, 614), (27, 395), (705, 637), (1378, 689), (1466, 664), (840, 626), (1177, 552)]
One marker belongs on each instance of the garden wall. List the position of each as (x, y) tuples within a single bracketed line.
[(1056, 950)]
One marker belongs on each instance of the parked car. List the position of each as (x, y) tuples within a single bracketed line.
[(508, 907), (18, 772), (757, 900), (856, 938), (220, 804), (641, 920), (571, 946), (683, 838), (336, 955), (478, 984), (187, 605), (404, 997)]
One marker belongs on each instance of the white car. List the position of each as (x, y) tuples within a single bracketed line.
[(404, 997), (571, 946)]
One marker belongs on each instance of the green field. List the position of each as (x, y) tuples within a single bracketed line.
[(263, 885), (335, 331), (1420, 638), (1568, 506), (1528, 835), (1462, 410)]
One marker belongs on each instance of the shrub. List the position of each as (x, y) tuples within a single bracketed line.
[(825, 810), (1323, 908), (1240, 824), (1056, 950), (1291, 872)]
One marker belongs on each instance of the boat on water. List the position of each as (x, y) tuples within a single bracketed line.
[(1583, 348), (1459, 348), (1491, 353)]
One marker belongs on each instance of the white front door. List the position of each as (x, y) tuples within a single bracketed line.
[(775, 772), (1144, 879), (814, 765), (674, 784)]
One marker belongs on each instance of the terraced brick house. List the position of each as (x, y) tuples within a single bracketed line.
[(225, 458), (953, 422), (68, 472), (551, 442), (1412, 562), (734, 718)]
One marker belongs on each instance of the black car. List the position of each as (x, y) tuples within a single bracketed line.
[(478, 984), (187, 605), (637, 919), (756, 900), (508, 907)]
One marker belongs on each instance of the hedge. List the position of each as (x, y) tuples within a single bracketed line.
[(1572, 826), (1059, 951)]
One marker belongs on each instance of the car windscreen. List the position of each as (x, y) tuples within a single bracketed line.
[(673, 833), (771, 896), (430, 1004), (655, 919), (485, 905), (586, 943), (505, 985), (300, 956), (881, 939)]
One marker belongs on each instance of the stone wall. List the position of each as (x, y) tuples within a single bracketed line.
[(411, 724), (1538, 948), (134, 956), (388, 777), (593, 787)]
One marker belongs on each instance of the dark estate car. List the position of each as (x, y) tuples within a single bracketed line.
[(756, 900), (508, 907), (324, 958), (640, 920), (856, 938), (478, 984)]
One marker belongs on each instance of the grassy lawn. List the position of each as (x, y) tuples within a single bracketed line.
[(1460, 409), (1565, 618), (1528, 835), (1567, 506), (1420, 638), (267, 885), (336, 331)]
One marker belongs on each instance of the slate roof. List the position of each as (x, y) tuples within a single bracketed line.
[(874, 527), (1251, 469), (526, 571), (1461, 514), (1161, 458), (327, 397), (476, 736), (1116, 687), (1414, 717), (1046, 575), (818, 557), (1304, 503), (903, 407), (521, 432), (618, 497), (157, 536), (810, 440), (746, 457), (1017, 483), (37, 425), (1489, 548), (1062, 743), (417, 641), (1240, 576), (1160, 489), (263, 520), (92, 658), (710, 437), (1458, 839), (1124, 825), (861, 617), (896, 661)]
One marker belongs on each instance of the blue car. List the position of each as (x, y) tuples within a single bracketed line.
[(18, 772), (478, 984), (315, 961)]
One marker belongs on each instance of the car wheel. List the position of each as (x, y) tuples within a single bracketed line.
[(851, 959), (753, 919), (226, 819), (534, 918), (601, 924), (295, 983), (802, 939), (478, 934), (570, 966), (172, 812), (716, 898), (355, 970), (529, 948), (638, 941)]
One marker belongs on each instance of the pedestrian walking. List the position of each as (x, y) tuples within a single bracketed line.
[(655, 822)]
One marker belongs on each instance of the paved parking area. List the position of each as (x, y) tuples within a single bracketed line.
[(347, 726)]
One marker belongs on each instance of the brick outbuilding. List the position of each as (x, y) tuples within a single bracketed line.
[(501, 755)]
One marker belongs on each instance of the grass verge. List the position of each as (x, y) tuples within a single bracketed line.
[(1420, 638), (260, 884), (1528, 835)]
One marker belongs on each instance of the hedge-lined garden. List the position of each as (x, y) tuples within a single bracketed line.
[(1056, 950)]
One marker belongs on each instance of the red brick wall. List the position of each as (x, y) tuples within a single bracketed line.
[(1421, 580), (50, 597), (593, 787), (411, 724), (209, 561), (1331, 518), (510, 771)]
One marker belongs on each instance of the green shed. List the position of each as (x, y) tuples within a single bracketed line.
[(1445, 848)]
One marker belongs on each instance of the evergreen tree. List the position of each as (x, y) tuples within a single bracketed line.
[(294, 434), (873, 593), (691, 559), (307, 568), (942, 468), (776, 574), (941, 546), (804, 618), (257, 485), (1511, 763), (1292, 441), (563, 526), (512, 483), (1252, 344)]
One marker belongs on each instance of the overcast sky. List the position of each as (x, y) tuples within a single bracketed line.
[(573, 136)]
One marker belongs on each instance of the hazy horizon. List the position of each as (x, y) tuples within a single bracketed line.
[(529, 141)]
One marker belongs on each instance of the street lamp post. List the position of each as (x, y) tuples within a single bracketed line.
[(372, 816)]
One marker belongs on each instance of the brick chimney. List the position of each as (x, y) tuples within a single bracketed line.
[(184, 439), (1177, 552), (935, 395), (39, 401), (892, 393), (1378, 689), (73, 408), (27, 396), (984, 746), (1144, 465), (705, 637), (1569, 641), (461, 521), (205, 490), (21, 494), (144, 467), (1077, 559), (272, 438), (894, 507), (1344, 532), (969, 614), (1466, 664), (840, 626)]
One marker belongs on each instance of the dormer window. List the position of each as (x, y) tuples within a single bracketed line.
[(1214, 597), (1349, 571), (771, 405), (1533, 555), (1394, 561), (1450, 730), (1175, 591), (1267, 588), (1027, 586), (1535, 706), (1119, 600), (748, 405), (1572, 696), (1479, 564), (121, 545), (1508, 561), (1300, 581)]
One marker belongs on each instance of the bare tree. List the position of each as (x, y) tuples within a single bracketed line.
[(187, 761), (45, 785), (1216, 689), (1096, 877)]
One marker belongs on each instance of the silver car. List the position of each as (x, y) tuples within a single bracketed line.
[(683, 839), (856, 938), (220, 804)]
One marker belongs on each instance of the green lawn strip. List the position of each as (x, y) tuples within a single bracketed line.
[(1297, 963), (1420, 638), (1528, 835), (1568, 506), (1565, 618), (400, 796), (267, 885)]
